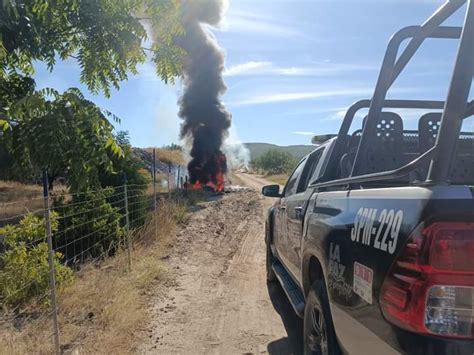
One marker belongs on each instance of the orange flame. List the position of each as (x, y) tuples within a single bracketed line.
[(215, 182)]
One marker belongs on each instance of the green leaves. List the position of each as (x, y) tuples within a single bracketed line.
[(4, 125), (166, 21), (275, 161), (24, 262), (104, 36), (64, 133), (114, 147)]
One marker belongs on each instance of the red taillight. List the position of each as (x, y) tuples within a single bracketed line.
[(430, 287), (453, 246)]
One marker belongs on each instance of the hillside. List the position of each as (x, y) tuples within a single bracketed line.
[(298, 151), (163, 157)]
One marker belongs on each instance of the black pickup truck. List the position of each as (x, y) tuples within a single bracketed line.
[(372, 238)]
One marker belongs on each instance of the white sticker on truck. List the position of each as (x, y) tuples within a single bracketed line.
[(363, 280)]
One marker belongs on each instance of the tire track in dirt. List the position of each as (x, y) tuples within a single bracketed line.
[(217, 300)]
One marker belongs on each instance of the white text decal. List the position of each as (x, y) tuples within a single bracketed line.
[(379, 232)]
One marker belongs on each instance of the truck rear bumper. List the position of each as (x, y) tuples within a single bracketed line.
[(356, 338)]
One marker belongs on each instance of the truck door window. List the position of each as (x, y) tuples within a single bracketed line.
[(311, 170), (292, 183)]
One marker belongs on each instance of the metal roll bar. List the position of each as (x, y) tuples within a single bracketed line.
[(455, 108), (393, 66)]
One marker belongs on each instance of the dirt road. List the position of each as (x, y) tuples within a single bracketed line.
[(218, 301)]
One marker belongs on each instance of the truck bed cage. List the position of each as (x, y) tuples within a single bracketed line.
[(454, 109)]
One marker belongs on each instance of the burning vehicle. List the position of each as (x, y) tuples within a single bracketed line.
[(208, 172)]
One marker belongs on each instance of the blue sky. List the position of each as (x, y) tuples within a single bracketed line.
[(292, 68)]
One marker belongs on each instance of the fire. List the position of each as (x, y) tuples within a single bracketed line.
[(210, 173)]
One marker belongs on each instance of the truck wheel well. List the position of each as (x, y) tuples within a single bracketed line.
[(315, 272)]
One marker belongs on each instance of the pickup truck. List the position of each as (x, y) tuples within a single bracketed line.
[(372, 237)]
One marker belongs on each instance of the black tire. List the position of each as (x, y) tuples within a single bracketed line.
[(270, 259), (318, 329)]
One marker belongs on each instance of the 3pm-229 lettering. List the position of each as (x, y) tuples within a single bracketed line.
[(386, 231)]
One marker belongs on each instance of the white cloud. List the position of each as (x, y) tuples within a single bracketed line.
[(311, 111), (339, 115), (317, 69), (241, 22), (304, 133), (263, 95), (410, 117), (246, 68), (295, 96)]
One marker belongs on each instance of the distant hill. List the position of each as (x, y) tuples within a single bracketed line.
[(298, 151)]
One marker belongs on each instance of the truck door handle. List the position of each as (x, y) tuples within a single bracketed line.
[(298, 209)]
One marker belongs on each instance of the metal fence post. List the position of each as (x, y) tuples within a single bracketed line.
[(127, 224), (169, 181), (154, 193), (51, 270), (178, 179)]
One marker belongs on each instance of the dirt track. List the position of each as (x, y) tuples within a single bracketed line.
[(218, 301)]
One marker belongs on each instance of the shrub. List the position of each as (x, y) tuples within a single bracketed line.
[(137, 178), (90, 226), (138, 206), (275, 161), (24, 263)]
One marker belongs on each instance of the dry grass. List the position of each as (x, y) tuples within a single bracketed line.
[(17, 198), (107, 305), (174, 157), (279, 179), (160, 187), (13, 191)]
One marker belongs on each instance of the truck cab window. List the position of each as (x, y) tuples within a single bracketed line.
[(311, 170), (292, 183)]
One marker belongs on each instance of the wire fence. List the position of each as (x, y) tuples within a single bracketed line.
[(43, 247)]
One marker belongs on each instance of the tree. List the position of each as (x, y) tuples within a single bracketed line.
[(129, 166), (173, 146), (64, 133), (104, 36), (275, 161), (126, 164), (12, 88)]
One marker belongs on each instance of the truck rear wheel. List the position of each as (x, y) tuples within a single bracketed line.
[(270, 259), (318, 329)]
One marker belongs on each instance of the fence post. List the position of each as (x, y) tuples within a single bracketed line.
[(127, 223), (178, 179), (51, 270), (169, 181), (154, 193)]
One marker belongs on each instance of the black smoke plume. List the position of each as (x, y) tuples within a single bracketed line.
[(206, 120)]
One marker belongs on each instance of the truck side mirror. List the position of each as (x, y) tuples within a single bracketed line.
[(271, 191)]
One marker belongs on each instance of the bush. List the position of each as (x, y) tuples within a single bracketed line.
[(24, 263), (138, 179), (90, 226), (275, 162), (138, 206)]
